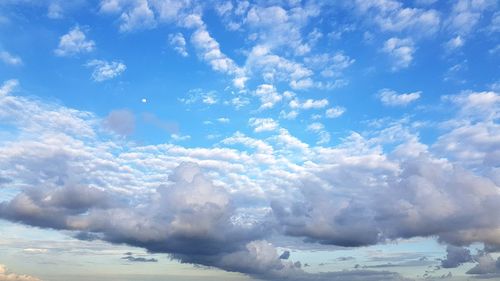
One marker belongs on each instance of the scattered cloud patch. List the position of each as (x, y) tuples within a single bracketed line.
[(335, 112), (392, 98), (401, 51), (73, 43), (104, 70), (263, 124), (178, 42), (10, 59)]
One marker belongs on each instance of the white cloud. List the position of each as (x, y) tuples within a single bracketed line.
[(223, 120), (5, 275), (139, 16), (466, 14), (308, 104), (391, 15), (178, 42), (179, 137), (455, 43), (392, 98), (330, 65), (263, 124), (198, 95), (73, 43), (401, 51), (334, 112), (55, 11), (104, 70), (289, 115), (315, 127), (210, 52), (268, 96), (10, 59), (273, 67), (8, 86)]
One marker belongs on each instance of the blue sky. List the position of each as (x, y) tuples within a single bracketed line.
[(249, 140)]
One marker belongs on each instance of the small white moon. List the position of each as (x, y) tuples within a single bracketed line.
[(144, 100)]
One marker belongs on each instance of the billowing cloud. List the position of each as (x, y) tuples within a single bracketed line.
[(220, 206), (73, 43)]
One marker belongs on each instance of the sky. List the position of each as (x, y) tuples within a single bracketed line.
[(249, 140)]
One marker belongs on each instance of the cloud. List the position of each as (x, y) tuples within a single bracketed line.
[(10, 59), (8, 86), (315, 127), (486, 265), (454, 43), (466, 14), (5, 275), (401, 51), (178, 42), (263, 124), (392, 98), (73, 43), (220, 206), (308, 104), (268, 96), (198, 95), (335, 112), (273, 67), (391, 15), (455, 256), (104, 70), (120, 121), (285, 255), (130, 257), (330, 65)]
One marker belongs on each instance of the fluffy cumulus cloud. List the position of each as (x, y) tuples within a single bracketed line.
[(392, 98), (73, 43), (104, 70), (193, 203), (5, 275)]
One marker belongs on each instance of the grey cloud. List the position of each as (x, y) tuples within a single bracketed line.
[(486, 266), (131, 258), (121, 122), (456, 256), (285, 255)]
